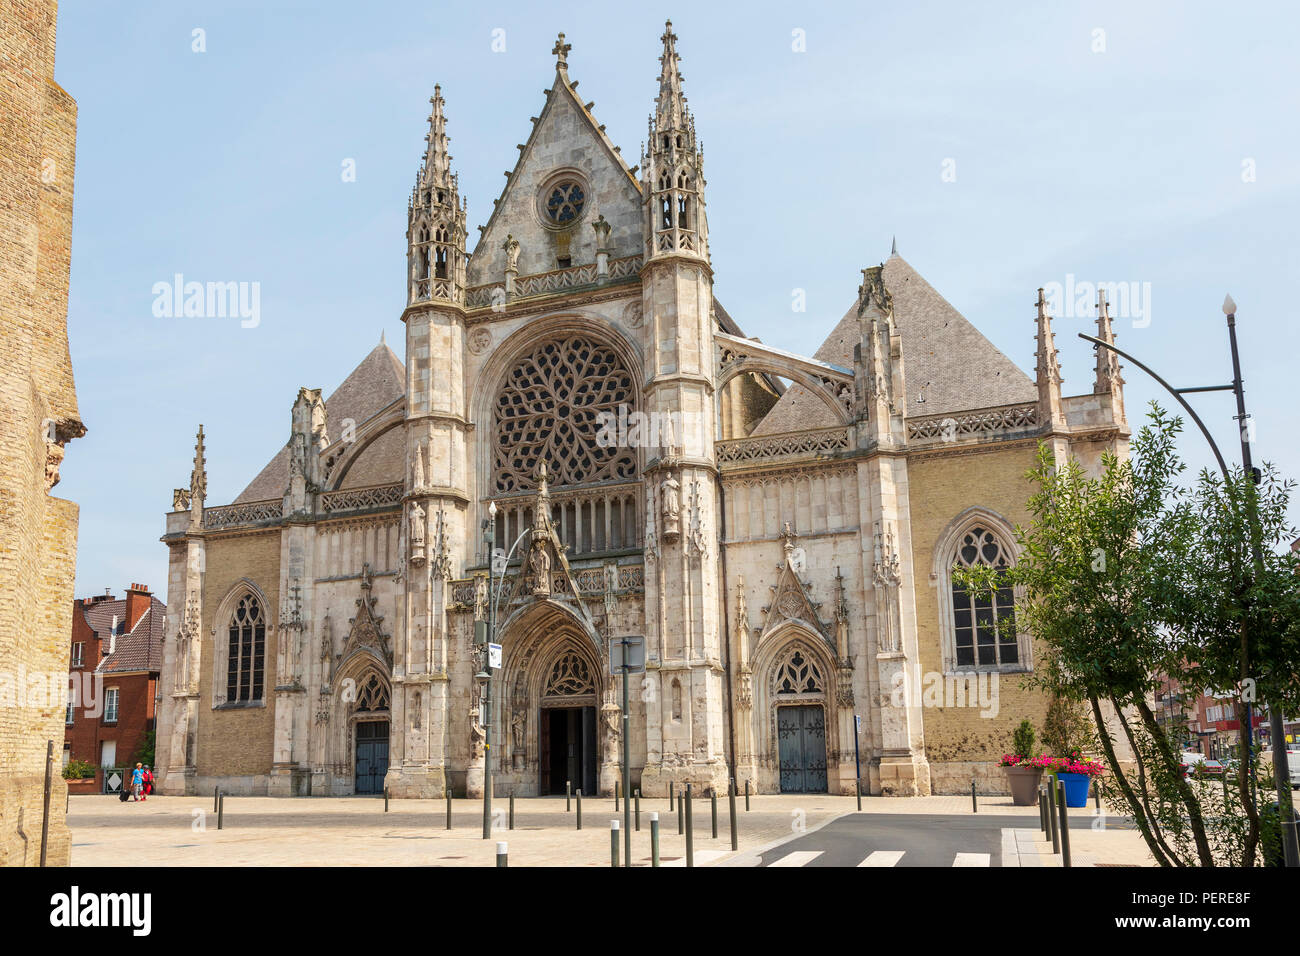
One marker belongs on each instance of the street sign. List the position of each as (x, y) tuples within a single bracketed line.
[(635, 655), (857, 722), (494, 656)]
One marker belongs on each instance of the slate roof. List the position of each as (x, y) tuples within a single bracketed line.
[(940, 346), (137, 650), (373, 385)]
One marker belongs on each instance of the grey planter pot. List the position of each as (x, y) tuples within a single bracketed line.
[(1024, 784)]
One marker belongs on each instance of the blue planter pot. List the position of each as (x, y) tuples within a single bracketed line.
[(1076, 789)]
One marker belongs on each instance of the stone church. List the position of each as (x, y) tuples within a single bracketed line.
[(581, 444)]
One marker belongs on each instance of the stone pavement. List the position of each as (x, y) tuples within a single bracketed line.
[(355, 831)]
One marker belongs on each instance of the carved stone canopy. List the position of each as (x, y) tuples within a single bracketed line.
[(366, 631), (792, 597)]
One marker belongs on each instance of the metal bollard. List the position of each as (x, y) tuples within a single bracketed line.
[(1051, 815), (385, 799), (449, 808), (670, 796), (654, 837), (616, 789), (1096, 794), (216, 795), (690, 829), (974, 806), (681, 817), (1042, 811), (746, 795), (637, 804), (221, 811), (568, 794), (503, 858), (613, 843), (512, 811), (713, 799), (731, 810), (1065, 826), (579, 795)]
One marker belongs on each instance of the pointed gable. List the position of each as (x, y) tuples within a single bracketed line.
[(565, 138), (940, 347), (378, 381)]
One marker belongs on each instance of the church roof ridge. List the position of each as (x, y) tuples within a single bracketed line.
[(374, 383), (562, 85)]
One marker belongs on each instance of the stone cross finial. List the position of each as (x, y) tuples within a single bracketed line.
[(561, 51)]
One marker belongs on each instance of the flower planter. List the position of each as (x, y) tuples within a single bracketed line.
[(1024, 785), (1076, 789)]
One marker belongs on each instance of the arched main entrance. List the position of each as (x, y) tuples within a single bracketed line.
[(553, 691), (370, 735), (567, 725)]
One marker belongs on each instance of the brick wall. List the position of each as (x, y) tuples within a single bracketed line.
[(38, 533), (959, 742), (237, 741)]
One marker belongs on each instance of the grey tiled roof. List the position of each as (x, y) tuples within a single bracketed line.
[(372, 385), (940, 346)]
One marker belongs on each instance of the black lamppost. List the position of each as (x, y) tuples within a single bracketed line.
[(1280, 770), (484, 676)]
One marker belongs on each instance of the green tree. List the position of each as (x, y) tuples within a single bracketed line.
[(1128, 576)]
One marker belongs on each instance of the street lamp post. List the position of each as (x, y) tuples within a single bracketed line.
[(1280, 769), (485, 675)]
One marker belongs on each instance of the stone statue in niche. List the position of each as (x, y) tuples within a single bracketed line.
[(511, 247), (539, 567), (417, 533), (670, 494), (518, 724)]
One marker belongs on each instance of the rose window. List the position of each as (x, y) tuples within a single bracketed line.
[(565, 203), (552, 407)]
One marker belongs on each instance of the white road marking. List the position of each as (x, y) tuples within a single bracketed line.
[(883, 858), (971, 859), (798, 858)]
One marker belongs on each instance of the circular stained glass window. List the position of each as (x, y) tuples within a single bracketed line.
[(564, 204)]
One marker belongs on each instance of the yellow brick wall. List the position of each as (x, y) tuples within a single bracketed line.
[(940, 489), (237, 741), (38, 532)]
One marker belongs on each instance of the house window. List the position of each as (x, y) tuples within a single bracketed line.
[(110, 706), (246, 652), (70, 715), (78, 653), (983, 623)]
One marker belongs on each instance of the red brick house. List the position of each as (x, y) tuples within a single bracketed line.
[(115, 658)]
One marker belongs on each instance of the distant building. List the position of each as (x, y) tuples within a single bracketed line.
[(115, 659)]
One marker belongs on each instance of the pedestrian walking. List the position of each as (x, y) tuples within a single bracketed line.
[(137, 782)]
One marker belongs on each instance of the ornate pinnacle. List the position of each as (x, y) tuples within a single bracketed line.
[(199, 474), (670, 105)]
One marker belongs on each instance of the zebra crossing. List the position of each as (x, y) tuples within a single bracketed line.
[(878, 858)]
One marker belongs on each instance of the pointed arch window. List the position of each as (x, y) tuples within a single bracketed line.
[(979, 630), (246, 652)]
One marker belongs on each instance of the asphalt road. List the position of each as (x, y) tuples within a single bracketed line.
[(923, 839)]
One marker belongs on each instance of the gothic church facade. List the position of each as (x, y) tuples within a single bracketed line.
[(780, 529)]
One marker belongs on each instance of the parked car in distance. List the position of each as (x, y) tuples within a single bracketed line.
[(1293, 765)]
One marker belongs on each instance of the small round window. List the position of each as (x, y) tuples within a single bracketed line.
[(564, 204)]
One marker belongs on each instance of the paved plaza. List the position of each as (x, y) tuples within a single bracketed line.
[(355, 831)]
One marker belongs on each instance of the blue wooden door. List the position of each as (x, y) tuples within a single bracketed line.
[(801, 748)]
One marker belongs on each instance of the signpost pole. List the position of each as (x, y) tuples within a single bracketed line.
[(627, 764)]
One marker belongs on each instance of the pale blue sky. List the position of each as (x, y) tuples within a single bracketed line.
[(1122, 165)]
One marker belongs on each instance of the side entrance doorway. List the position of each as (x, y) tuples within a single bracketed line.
[(568, 749), (372, 755), (801, 748)]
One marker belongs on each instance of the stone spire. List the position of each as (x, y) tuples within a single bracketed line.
[(1109, 380), (1048, 370), (672, 174), (435, 233), (670, 106), (436, 170), (198, 481)]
